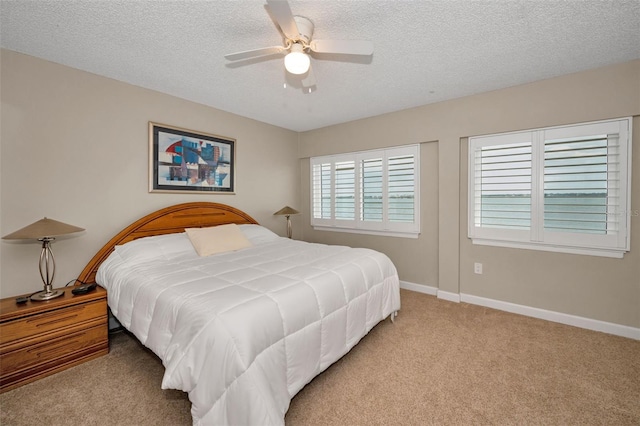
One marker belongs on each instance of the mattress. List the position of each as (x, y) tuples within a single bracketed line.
[(242, 332)]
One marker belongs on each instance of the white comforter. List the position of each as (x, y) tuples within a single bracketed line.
[(243, 332)]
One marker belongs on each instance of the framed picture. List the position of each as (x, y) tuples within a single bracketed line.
[(182, 160)]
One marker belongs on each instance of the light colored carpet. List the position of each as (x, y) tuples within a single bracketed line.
[(441, 363)]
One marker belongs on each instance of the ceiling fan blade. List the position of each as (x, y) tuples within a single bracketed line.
[(310, 79), (247, 54), (281, 12), (343, 47)]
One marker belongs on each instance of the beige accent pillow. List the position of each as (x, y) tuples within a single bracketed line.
[(217, 239)]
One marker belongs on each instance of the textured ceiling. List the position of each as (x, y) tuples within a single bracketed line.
[(424, 51)]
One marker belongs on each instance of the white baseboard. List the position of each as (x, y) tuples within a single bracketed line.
[(432, 291), (419, 288), (448, 296), (559, 317)]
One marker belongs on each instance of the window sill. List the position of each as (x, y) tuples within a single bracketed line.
[(551, 248), (368, 232)]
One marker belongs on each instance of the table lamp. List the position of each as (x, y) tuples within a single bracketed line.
[(287, 211), (45, 230)]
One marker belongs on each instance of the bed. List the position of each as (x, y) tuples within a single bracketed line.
[(242, 331)]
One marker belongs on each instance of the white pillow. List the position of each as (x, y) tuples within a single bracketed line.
[(158, 246), (217, 239), (258, 234)]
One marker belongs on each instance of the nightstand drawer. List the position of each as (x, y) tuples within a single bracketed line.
[(38, 339), (54, 349), (51, 321)]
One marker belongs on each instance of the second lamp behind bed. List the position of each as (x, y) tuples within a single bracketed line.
[(287, 211)]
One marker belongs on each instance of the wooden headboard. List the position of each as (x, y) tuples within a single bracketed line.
[(167, 221)]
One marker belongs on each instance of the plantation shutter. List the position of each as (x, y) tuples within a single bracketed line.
[(577, 185), (321, 190), (370, 191), (371, 198), (345, 190), (585, 174), (401, 188), (556, 187), (501, 186)]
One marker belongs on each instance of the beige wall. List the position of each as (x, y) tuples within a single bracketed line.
[(74, 147), (592, 287)]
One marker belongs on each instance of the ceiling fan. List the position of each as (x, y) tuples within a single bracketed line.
[(299, 44)]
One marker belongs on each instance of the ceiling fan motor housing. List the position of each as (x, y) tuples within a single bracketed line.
[(305, 28)]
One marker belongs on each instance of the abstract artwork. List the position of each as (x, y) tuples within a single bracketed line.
[(183, 160)]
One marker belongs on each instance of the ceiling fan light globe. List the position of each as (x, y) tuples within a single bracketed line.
[(297, 62)]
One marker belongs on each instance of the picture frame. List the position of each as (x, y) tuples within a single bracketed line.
[(182, 160)]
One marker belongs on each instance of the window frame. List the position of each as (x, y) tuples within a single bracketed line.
[(537, 237), (357, 225)]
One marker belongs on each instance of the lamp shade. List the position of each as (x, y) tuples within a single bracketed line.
[(297, 62), (41, 229), (286, 211)]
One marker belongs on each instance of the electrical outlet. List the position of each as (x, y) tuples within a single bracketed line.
[(477, 268)]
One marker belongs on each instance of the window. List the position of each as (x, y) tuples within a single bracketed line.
[(369, 192), (559, 189)]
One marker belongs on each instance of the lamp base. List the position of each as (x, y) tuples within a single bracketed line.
[(44, 295)]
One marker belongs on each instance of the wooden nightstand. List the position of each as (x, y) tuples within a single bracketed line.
[(38, 339)]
